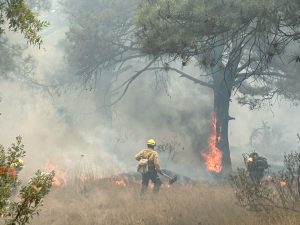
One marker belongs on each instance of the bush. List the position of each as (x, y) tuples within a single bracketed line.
[(18, 211), (280, 190)]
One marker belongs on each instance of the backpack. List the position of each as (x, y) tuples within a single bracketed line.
[(260, 164), (145, 165)]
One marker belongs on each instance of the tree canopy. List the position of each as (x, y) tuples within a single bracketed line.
[(20, 18), (238, 45), (243, 37), (99, 35)]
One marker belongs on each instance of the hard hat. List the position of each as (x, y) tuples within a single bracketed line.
[(249, 159), (18, 163), (151, 142)]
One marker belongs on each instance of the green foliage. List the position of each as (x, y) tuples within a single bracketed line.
[(16, 151), (178, 27), (17, 16), (238, 39), (30, 197), (22, 19)]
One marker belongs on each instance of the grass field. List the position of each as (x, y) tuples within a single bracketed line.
[(104, 202)]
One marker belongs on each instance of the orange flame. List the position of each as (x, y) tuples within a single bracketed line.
[(60, 179), (282, 183), (165, 186), (120, 181), (10, 170), (213, 159)]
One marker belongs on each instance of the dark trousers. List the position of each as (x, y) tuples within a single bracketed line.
[(153, 176)]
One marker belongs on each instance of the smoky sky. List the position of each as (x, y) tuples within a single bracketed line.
[(66, 125)]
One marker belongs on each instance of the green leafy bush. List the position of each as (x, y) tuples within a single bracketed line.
[(17, 210)]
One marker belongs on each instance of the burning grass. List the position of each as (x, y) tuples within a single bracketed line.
[(108, 202)]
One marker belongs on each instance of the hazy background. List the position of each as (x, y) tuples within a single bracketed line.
[(63, 124)]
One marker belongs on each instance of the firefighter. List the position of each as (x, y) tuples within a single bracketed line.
[(256, 166), (17, 165), (149, 166), (15, 169), (248, 159)]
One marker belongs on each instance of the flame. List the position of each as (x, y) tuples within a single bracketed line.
[(213, 159), (120, 181), (10, 170), (165, 186), (282, 183), (60, 179)]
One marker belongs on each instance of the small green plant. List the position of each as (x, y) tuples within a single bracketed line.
[(16, 208)]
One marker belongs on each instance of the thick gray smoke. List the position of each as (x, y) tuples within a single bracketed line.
[(64, 124)]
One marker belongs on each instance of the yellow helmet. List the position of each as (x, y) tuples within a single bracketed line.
[(151, 142), (18, 163), (249, 159)]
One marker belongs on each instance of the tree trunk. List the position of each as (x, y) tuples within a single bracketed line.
[(222, 93)]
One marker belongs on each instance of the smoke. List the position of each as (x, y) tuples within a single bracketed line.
[(64, 124)]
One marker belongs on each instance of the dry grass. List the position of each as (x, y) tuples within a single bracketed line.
[(106, 203)]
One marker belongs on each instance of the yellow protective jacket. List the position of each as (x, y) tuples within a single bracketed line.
[(249, 162), (149, 154)]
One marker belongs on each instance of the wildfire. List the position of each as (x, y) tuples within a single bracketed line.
[(120, 181), (213, 159), (165, 186), (282, 183), (60, 179)]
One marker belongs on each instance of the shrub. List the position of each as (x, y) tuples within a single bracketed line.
[(18, 209), (280, 190)]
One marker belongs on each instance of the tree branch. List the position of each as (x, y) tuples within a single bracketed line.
[(243, 76), (185, 75), (241, 68), (129, 81)]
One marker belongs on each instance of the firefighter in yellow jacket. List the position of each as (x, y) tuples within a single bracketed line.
[(148, 162), (256, 166)]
